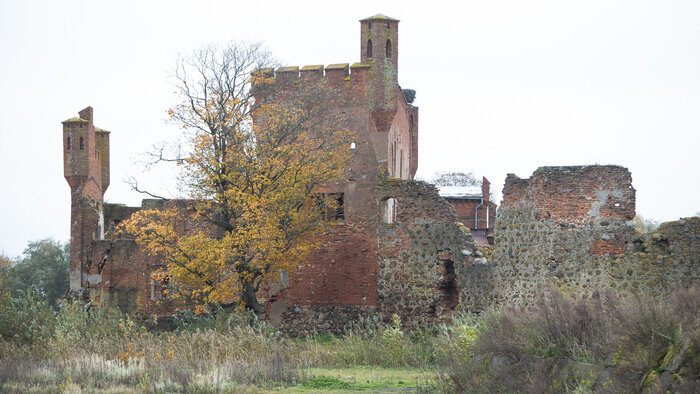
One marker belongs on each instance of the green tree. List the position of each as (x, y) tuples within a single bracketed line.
[(5, 266), (42, 269)]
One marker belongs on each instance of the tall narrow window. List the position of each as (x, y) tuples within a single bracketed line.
[(388, 49), (369, 48), (388, 210), (393, 160), (68, 143), (81, 142)]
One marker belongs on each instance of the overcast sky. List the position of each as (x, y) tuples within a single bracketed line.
[(502, 86)]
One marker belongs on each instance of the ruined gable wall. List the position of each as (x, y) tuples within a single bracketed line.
[(568, 227)]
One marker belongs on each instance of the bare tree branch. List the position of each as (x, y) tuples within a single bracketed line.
[(133, 183)]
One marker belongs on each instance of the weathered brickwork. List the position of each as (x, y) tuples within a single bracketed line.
[(474, 210), (363, 265), (405, 263), (569, 228), (399, 247)]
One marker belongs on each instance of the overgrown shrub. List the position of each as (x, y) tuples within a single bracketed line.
[(604, 343), (26, 318)]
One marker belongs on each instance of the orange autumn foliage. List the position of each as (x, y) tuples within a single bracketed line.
[(256, 155)]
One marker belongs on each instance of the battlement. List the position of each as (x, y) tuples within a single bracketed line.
[(336, 75)]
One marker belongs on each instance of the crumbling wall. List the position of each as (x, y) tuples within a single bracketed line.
[(569, 228), (405, 261), (420, 254)]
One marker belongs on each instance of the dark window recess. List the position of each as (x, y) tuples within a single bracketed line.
[(332, 206), (81, 143), (388, 49), (158, 288), (448, 285), (369, 48), (68, 143)]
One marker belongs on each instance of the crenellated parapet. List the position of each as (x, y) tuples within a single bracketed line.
[(341, 75)]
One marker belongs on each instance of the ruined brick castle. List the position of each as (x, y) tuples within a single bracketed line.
[(399, 246)]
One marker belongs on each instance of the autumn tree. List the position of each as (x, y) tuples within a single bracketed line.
[(254, 156)]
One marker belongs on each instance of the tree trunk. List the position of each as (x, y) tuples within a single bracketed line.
[(250, 300)]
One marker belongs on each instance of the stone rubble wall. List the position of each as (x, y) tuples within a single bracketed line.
[(569, 228)]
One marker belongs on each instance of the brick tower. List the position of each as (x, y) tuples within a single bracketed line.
[(86, 168), (379, 37)]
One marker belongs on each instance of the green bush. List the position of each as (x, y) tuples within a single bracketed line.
[(26, 318)]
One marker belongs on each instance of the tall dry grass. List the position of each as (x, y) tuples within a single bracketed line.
[(603, 344)]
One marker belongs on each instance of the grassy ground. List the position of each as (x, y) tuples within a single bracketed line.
[(603, 344)]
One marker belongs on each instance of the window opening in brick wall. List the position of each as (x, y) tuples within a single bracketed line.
[(339, 213), (388, 210), (388, 49), (81, 142), (115, 223), (68, 144), (332, 206), (369, 48), (393, 160), (158, 287)]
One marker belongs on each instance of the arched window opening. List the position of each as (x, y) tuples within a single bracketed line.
[(369, 25), (369, 48), (389, 210), (68, 144), (81, 143), (410, 121), (388, 49), (388, 25)]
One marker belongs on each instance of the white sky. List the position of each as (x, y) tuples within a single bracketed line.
[(502, 86)]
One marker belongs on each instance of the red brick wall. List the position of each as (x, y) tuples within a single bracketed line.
[(573, 195), (343, 271)]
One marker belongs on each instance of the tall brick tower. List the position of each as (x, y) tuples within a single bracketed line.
[(379, 37), (86, 168)]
